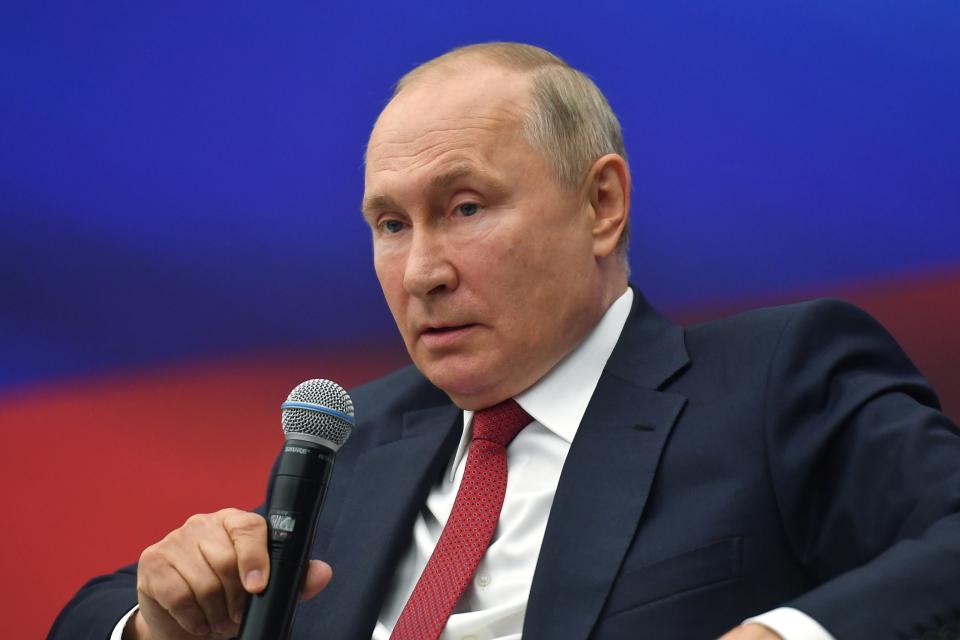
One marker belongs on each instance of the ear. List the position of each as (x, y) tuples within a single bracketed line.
[(608, 185)]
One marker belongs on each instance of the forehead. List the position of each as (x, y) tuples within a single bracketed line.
[(448, 110)]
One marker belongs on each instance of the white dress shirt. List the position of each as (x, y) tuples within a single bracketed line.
[(494, 604)]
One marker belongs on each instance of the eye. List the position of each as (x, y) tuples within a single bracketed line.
[(468, 209), (391, 226)]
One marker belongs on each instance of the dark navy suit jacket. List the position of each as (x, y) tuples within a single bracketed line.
[(787, 456)]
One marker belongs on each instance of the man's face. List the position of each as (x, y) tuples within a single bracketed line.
[(486, 263)]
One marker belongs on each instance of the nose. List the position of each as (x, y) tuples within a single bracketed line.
[(428, 269)]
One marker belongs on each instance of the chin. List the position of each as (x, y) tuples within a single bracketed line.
[(468, 390)]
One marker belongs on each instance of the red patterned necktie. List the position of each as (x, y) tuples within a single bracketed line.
[(469, 528)]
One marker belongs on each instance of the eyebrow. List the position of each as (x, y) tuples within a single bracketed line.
[(445, 179), (377, 202), (381, 202)]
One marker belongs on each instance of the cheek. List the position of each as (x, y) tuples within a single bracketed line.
[(390, 275)]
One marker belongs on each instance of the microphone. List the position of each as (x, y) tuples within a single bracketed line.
[(317, 420)]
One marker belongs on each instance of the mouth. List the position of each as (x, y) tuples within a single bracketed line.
[(446, 329), (445, 336)]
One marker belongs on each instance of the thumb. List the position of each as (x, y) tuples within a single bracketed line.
[(318, 575)]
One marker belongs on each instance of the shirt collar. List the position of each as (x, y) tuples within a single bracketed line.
[(560, 398)]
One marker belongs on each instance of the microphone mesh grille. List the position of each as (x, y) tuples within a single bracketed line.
[(325, 393)]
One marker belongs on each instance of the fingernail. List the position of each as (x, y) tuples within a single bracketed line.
[(202, 630), (253, 578), (237, 617), (223, 628)]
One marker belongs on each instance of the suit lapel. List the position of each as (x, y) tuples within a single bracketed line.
[(606, 478), (389, 483)]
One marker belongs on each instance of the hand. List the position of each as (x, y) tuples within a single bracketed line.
[(195, 582), (751, 632)]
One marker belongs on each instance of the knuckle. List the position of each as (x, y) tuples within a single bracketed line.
[(191, 620), (222, 560), (188, 614), (149, 556), (175, 598), (152, 564), (223, 514), (197, 520), (244, 523)]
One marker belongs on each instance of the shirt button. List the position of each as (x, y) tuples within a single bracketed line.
[(483, 580), (469, 637)]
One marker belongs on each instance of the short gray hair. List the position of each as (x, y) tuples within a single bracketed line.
[(570, 121)]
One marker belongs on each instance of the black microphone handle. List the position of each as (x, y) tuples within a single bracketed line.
[(296, 498)]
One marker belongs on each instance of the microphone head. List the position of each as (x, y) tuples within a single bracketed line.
[(320, 411)]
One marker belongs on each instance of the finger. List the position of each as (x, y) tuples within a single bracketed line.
[(248, 532), (184, 550), (221, 557), (318, 577), (206, 585), (170, 591), (153, 621)]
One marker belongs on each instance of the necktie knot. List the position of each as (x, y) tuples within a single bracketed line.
[(500, 423)]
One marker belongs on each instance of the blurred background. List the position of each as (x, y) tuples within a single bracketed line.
[(180, 242)]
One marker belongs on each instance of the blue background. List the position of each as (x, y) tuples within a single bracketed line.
[(182, 179)]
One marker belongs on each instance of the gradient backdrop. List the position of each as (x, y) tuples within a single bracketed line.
[(180, 242)]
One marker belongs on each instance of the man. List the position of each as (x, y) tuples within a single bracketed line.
[(784, 473)]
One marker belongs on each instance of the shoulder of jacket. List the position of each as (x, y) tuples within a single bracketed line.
[(775, 318)]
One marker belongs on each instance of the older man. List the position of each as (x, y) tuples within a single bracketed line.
[(784, 473)]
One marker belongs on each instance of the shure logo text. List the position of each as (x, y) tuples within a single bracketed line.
[(297, 450)]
